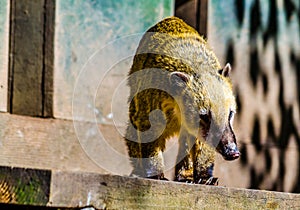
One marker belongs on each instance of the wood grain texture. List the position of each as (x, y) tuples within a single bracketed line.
[(30, 90), (202, 7), (186, 10), (27, 60), (53, 144), (42, 143), (97, 191), (48, 62), (117, 192)]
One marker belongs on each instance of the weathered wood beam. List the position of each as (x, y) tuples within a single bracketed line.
[(80, 189), (201, 15), (31, 57), (53, 144)]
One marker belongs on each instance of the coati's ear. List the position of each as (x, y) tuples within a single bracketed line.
[(226, 70), (179, 77)]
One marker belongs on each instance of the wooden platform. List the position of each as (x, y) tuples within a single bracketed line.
[(52, 171), (62, 189)]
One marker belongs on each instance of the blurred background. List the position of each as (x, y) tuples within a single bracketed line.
[(63, 93)]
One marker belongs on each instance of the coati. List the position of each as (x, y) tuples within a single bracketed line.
[(177, 87)]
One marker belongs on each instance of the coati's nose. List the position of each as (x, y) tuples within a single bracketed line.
[(236, 155), (232, 154)]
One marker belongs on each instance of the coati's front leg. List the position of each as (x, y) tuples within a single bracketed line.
[(184, 168), (203, 163), (195, 161)]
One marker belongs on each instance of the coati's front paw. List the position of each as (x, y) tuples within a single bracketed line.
[(185, 175), (190, 181), (159, 177), (205, 181)]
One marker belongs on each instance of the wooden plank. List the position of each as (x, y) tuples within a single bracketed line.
[(81, 189), (4, 37), (42, 143), (31, 64), (117, 192), (53, 144), (48, 67), (27, 61)]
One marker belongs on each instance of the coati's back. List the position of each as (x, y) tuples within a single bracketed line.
[(173, 39)]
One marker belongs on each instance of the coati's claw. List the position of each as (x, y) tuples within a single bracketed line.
[(209, 181), (188, 181), (212, 181)]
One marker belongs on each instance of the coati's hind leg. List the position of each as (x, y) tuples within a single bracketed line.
[(203, 163), (146, 158), (145, 143)]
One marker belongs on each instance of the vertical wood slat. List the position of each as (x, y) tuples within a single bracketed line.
[(186, 10), (201, 15), (31, 57), (48, 58), (194, 12), (27, 57)]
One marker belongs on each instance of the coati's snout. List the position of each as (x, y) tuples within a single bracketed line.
[(227, 146)]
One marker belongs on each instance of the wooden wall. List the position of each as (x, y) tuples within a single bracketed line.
[(94, 45)]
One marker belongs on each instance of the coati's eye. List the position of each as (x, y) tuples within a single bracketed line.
[(205, 118)]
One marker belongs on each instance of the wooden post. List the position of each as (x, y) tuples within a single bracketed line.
[(31, 61), (48, 67), (201, 15), (194, 12)]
